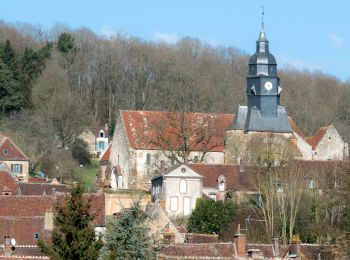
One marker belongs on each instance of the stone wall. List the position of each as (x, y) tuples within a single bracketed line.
[(116, 202)]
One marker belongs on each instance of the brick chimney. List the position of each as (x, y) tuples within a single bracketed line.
[(240, 242), (7, 246), (276, 246), (295, 245)]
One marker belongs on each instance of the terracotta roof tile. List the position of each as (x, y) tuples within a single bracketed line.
[(143, 129), (198, 250), (7, 181), (295, 128), (106, 154), (235, 180), (41, 188), (10, 152), (25, 206), (316, 138)]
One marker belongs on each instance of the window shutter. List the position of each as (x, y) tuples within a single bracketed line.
[(11, 167), (20, 168)]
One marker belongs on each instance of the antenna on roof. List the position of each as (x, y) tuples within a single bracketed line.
[(262, 17)]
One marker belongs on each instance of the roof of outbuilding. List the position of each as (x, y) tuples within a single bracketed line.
[(41, 188), (106, 154), (8, 182), (235, 178)]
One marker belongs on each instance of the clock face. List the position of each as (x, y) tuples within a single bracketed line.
[(268, 85)]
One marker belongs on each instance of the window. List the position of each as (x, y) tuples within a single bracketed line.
[(212, 196), (16, 168), (5, 152), (195, 160), (312, 184), (183, 186), (148, 158), (102, 133), (101, 145), (221, 185), (36, 236), (173, 203)]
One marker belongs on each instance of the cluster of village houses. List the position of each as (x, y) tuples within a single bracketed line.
[(138, 158)]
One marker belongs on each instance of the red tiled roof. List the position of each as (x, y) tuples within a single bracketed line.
[(235, 180), (25, 206), (191, 251), (25, 252), (9, 151), (295, 128), (7, 181), (41, 188), (22, 229), (143, 129), (316, 138), (106, 154)]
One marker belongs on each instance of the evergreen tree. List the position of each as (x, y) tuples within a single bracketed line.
[(210, 216), (73, 236), (80, 152), (128, 237)]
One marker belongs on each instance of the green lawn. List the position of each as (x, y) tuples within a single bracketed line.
[(89, 174)]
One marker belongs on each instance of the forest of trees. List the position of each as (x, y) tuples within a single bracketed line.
[(54, 83)]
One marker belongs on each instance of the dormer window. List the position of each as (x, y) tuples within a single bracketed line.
[(221, 183)]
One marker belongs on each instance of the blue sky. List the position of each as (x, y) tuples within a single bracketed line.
[(305, 34)]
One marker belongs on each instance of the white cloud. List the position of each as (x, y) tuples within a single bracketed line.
[(336, 40), (165, 37), (108, 32)]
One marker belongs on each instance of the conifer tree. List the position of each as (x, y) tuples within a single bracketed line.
[(127, 236), (73, 236)]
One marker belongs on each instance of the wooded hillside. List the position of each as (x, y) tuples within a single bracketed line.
[(87, 78)]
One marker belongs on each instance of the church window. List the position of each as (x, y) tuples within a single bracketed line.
[(148, 158), (173, 203), (183, 186)]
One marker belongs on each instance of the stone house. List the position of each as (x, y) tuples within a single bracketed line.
[(97, 139), (177, 190), (145, 142), (14, 158)]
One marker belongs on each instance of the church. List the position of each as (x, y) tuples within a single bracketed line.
[(147, 142)]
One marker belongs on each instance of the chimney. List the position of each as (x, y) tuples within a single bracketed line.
[(240, 242), (7, 246), (295, 245), (276, 246)]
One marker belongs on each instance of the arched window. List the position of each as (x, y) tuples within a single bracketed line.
[(221, 183), (183, 186)]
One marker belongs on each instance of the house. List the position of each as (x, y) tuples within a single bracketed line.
[(8, 181), (239, 249), (28, 218), (177, 190), (97, 139), (146, 141), (14, 158)]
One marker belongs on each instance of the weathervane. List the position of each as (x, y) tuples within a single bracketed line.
[(262, 17)]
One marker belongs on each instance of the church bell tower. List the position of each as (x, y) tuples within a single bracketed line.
[(263, 112)]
